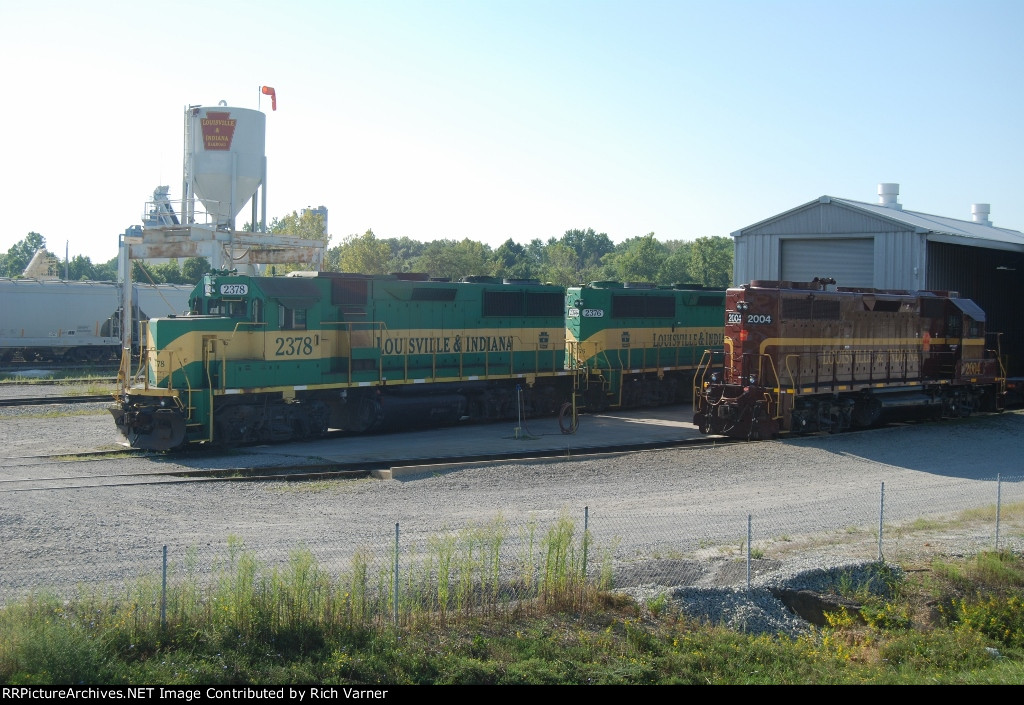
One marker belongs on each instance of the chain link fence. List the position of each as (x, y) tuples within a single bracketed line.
[(388, 571)]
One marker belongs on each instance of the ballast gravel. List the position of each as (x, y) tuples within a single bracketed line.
[(804, 492)]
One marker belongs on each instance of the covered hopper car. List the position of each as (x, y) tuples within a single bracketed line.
[(281, 358), (801, 357), (75, 321)]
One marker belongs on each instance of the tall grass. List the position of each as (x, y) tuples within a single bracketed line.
[(298, 623), (241, 604), (454, 575)]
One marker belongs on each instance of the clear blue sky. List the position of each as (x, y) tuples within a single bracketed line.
[(495, 119)]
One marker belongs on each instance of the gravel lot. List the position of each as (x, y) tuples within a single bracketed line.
[(676, 517)]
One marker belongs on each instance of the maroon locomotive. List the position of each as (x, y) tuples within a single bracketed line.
[(800, 357)]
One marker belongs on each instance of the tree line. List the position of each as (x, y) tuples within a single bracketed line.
[(79, 268), (577, 257)]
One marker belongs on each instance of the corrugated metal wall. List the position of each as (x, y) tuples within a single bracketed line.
[(897, 258), (993, 280)]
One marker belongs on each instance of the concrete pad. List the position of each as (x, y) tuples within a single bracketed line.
[(476, 442)]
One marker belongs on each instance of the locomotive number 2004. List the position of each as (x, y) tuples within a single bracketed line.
[(752, 318)]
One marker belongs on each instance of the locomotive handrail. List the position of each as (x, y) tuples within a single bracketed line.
[(1001, 380), (772, 393), (707, 361), (789, 371), (140, 372), (253, 324), (895, 363), (186, 409), (490, 368), (622, 360)]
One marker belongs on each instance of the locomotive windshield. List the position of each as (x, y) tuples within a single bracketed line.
[(234, 308)]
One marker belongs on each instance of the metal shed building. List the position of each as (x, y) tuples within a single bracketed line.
[(882, 245)]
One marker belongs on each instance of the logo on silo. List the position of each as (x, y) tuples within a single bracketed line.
[(218, 129)]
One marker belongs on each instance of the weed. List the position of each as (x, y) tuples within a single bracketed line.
[(254, 623)]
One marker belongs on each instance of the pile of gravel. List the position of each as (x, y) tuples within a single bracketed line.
[(758, 610)]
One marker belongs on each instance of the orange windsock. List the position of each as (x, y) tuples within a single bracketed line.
[(267, 90)]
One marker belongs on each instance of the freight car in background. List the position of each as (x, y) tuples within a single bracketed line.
[(280, 358), (801, 357), (75, 321)]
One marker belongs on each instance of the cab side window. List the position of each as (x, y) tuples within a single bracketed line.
[(292, 318)]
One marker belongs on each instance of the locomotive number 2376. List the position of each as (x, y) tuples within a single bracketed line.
[(291, 347), (752, 318)]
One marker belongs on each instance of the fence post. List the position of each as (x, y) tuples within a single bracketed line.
[(163, 593), (881, 518), (749, 535), (999, 505), (396, 574), (586, 540)]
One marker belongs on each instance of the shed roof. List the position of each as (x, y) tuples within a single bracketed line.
[(936, 227), (939, 225)]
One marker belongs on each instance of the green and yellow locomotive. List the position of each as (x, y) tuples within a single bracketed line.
[(638, 345), (279, 358)]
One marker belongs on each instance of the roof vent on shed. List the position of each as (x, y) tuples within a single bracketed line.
[(888, 195), (980, 211)]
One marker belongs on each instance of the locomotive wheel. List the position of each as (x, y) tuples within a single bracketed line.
[(318, 417), (866, 412), (367, 416)]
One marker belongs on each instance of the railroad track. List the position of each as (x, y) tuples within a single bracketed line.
[(280, 473), (18, 368), (43, 401)]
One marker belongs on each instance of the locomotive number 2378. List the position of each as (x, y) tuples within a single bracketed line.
[(290, 347)]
